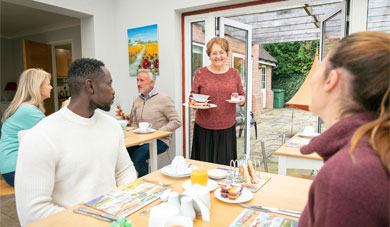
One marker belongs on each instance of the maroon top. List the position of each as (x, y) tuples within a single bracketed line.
[(219, 87), (347, 192)]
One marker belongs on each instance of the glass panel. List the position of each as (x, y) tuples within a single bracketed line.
[(198, 53), (237, 39), (263, 77), (378, 18), (331, 32)]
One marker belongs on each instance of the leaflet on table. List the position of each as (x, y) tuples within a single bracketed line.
[(252, 218), (238, 181), (298, 143), (127, 199)]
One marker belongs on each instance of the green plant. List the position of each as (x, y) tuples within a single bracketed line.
[(294, 63)]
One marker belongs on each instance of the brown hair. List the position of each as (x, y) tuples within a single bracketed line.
[(223, 43), (366, 55)]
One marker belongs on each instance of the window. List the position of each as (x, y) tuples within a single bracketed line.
[(263, 76)]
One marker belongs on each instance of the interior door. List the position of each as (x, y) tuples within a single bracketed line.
[(333, 28), (38, 55), (239, 36)]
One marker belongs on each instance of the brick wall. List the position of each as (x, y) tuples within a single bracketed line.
[(198, 34)]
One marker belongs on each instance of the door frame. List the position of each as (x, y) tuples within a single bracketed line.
[(225, 21), (54, 67)]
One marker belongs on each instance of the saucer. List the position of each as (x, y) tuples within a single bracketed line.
[(148, 130), (308, 135), (211, 185), (232, 101), (166, 170)]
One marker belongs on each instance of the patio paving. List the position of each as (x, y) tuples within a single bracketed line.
[(272, 126)]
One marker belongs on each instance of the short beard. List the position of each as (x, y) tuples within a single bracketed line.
[(104, 107)]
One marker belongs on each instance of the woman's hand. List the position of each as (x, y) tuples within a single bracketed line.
[(242, 100)]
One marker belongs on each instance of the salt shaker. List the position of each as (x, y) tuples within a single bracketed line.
[(173, 199), (186, 207)]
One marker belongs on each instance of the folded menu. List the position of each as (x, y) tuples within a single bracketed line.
[(127, 199), (252, 218), (298, 143)]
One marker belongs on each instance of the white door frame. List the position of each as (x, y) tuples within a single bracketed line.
[(222, 22)]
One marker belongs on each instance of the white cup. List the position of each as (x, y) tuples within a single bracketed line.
[(179, 165), (144, 125), (308, 130)]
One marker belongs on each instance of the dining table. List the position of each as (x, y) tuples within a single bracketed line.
[(132, 138), (279, 192), (291, 157)]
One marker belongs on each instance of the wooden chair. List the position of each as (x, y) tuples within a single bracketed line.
[(6, 189)]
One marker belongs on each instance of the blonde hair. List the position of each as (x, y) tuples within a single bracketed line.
[(366, 55), (29, 91), (223, 43)]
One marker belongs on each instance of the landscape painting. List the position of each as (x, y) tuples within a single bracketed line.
[(143, 49)]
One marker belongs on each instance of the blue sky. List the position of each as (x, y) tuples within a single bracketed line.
[(143, 33)]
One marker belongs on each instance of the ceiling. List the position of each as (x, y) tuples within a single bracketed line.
[(297, 22), (18, 20)]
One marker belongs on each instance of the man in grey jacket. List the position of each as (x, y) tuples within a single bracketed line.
[(155, 108)]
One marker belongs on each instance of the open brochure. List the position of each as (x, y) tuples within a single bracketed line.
[(127, 199), (252, 218)]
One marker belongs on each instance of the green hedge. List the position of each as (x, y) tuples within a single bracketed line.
[(294, 63)]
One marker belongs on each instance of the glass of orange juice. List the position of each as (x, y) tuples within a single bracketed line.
[(199, 176)]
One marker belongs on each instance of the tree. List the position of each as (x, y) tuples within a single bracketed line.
[(294, 63)]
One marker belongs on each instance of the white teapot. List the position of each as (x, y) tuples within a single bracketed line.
[(166, 215), (201, 200)]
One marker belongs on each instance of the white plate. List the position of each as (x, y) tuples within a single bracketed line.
[(217, 173), (148, 130), (200, 107), (166, 170), (308, 135), (232, 101), (211, 185), (245, 196)]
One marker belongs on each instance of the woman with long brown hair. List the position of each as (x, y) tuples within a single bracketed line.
[(25, 111), (350, 92)]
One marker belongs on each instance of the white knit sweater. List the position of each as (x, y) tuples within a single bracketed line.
[(67, 159)]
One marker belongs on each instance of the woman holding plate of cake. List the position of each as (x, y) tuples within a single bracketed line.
[(214, 137)]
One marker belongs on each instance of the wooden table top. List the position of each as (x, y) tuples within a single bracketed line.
[(280, 191), (295, 151), (132, 138)]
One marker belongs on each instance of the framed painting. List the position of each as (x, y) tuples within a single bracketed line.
[(143, 49)]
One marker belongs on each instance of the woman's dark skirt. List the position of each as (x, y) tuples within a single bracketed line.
[(216, 146)]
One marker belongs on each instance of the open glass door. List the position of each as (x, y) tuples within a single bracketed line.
[(333, 28), (239, 36)]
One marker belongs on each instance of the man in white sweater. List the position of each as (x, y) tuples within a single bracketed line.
[(74, 154)]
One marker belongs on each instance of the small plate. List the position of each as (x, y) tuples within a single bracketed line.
[(211, 185), (148, 130), (217, 174), (200, 107), (308, 135), (166, 170), (233, 101), (245, 196)]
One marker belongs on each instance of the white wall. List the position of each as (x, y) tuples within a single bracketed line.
[(12, 51)]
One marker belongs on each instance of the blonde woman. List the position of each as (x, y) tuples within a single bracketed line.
[(350, 92), (25, 111)]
